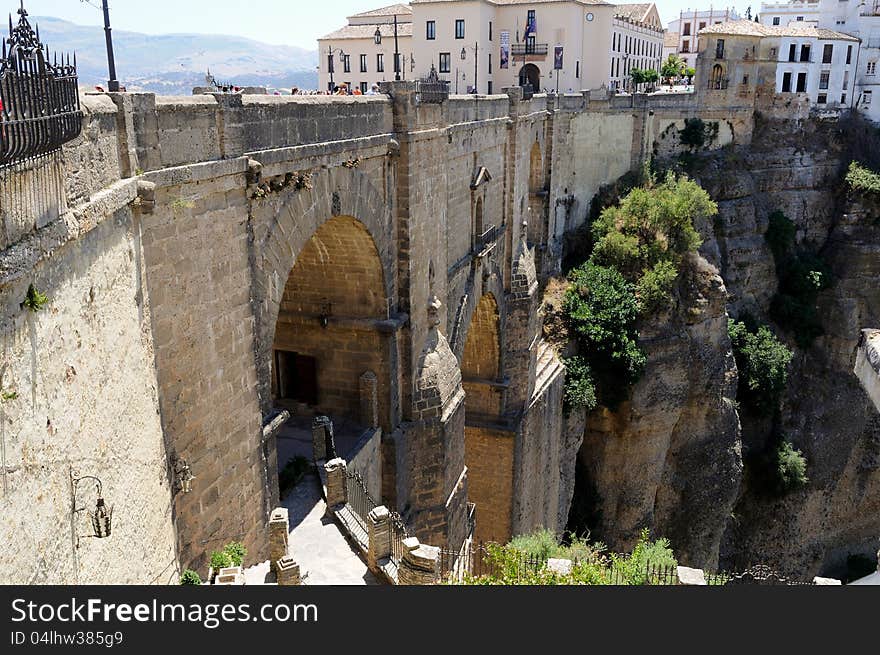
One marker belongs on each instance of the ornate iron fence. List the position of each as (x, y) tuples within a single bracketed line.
[(39, 102), (433, 90), (398, 534), (358, 497)]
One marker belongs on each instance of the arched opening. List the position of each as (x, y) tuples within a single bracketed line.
[(478, 223), (717, 81), (530, 74), (537, 217), (489, 448), (330, 356)]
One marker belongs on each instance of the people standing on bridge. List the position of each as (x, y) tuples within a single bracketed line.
[(374, 90)]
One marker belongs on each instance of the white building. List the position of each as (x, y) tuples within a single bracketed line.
[(689, 25), (636, 42), (492, 44), (806, 60), (858, 19), (356, 56), (780, 14)]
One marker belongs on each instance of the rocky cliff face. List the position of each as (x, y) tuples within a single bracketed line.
[(670, 457)]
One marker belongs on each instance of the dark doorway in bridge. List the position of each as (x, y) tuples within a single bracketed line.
[(530, 74), (296, 377)]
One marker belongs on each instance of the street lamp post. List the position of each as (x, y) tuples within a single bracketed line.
[(476, 65), (112, 83), (330, 53), (377, 37)]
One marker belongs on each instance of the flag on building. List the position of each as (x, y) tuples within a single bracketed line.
[(531, 27)]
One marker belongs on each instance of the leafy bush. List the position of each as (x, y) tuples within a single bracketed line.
[(791, 467), (602, 308), (763, 362), (220, 559), (653, 223), (34, 300), (697, 133), (580, 390), (633, 568), (590, 564), (862, 179), (654, 289), (190, 577), (236, 552)]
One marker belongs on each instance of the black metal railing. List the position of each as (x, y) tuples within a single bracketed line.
[(398, 534), (716, 84), (359, 498), (39, 101), (479, 561), (521, 49), (528, 91), (486, 241)]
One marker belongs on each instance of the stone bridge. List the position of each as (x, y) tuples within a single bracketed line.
[(209, 260)]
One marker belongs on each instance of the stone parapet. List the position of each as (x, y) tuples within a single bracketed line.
[(378, 536), (337, 492), (420, 564), (287, 571), (279, 527)]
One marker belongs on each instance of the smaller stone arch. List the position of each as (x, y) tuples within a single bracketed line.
[(482, 349), (717, 79)]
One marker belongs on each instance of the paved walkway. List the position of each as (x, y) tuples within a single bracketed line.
[(316, 543)]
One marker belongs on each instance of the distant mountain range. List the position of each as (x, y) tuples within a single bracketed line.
[(172, 64)]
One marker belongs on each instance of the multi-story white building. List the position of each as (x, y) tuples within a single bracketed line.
[(361, 54), (689, 25), (858, 19), (780, 14), (491, 44), (800, 58), (636, 42)]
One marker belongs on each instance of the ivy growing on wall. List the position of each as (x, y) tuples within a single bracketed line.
[(34, 300)]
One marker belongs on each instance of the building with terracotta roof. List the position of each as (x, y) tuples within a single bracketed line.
[(361, 54), (799, 62), (860, 20)]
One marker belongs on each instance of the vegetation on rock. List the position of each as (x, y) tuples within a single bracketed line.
[(580, 389), (602, 309), (190, 577), (862, 179), (34, 300), (790, 467), (638, 248), (697, 133), (762, 360)]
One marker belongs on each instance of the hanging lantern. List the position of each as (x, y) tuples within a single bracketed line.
[(101, 519)]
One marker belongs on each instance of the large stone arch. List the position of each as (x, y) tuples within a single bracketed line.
[(283, 224), (477, 286)]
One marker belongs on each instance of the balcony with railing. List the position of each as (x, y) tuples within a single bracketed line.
[(485, 243), (529, 49)]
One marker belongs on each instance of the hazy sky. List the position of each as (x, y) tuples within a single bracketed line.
[(291, 22)]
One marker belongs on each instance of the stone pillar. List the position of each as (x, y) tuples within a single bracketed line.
[(691, 577), (420, 564), (287, 572), (379, 536), (319, 437), (278, 531), (369, 396), (337, 493)]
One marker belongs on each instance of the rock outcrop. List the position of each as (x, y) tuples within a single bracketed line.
[(669, 458)]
